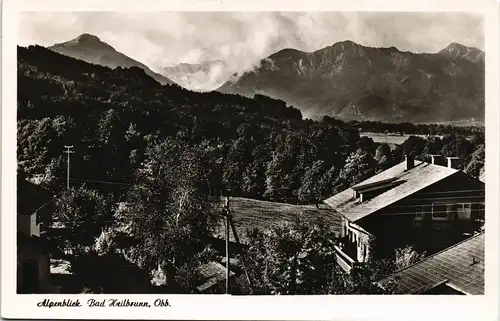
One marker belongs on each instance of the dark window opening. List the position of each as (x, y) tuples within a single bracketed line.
[(439, 211)]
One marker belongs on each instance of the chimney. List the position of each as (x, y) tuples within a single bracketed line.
[(453, 162), (437, 160), (409, 162)]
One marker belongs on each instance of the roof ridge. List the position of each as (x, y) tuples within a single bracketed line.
[(433, 255), (394, 177)]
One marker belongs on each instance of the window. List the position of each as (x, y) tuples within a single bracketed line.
[(480, 212), (419, 215), (464, 211), (439, 211)]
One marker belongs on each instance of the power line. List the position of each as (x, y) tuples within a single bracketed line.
[(444, 198), (453, 191), (42, 206), (432, 199), (97, 181), (427, 212), (378, 214)]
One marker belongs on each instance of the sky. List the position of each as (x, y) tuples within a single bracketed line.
[(242, 39)]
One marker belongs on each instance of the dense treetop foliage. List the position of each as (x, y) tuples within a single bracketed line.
[(418, 129)]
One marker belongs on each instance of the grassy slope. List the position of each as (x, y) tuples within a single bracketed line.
[(249, 213)]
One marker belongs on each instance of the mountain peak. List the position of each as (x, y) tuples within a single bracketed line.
[(343, 44), (455, 50), (455, 47), (87, 37), (285, 53), (86, 40), (90, 48)]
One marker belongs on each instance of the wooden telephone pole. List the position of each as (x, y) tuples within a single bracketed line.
[(227, 213), (68, 151), (230, 224)]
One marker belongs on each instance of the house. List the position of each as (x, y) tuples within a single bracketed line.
[(429, 206), (33, 207), (458, 269), (33, 262)]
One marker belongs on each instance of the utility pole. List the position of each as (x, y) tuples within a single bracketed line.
[(68, 151), (237, 239), (226, 210)]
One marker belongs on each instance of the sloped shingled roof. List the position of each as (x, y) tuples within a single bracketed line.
[(406, 184), (212, 273), (30, 197), (460, 266)]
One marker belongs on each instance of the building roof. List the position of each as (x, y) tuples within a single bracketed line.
[(31, 197), (212, 273), (251, 214), (460, 267), (403, 184)]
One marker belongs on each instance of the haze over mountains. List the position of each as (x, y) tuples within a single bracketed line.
[(345, 80), (206, 76), (90, 48)]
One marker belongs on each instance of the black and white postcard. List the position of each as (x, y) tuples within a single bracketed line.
[(228, 160)]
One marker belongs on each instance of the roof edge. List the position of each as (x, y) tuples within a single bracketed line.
[(433, 255)]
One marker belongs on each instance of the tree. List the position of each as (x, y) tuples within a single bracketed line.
[(366, 144), (172, 211), (476, 162), (39, 144), (299, 258), (310, 191), (253, 181), (382, 150), (413, 146), (85, 213), (285, 168), (238, 157), (384, 156), (327, 182), (457, 146), (291, 258), (359, 166), (406, 256), (362, 278)]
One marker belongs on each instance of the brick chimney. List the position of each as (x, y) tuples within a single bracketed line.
[(409, 162), (437, 160), (453, 162)]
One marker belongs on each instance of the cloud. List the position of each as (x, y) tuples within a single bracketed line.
[(242, 39)]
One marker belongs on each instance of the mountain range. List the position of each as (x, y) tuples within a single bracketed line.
[(353, 82), (346, 80), (91, 49)]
